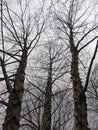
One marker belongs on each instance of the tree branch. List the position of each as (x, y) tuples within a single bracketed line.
[(86, 35), (88, 43), (90, 67), (8, 84)]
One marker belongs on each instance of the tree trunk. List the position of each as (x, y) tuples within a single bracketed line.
[(80, 106), (46, 121), (13, 111)]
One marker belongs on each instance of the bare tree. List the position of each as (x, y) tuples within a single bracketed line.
[(50, 69), (18, 30), (77, 29)]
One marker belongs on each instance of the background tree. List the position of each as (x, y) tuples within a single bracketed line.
[(50, 59), (92, 97)]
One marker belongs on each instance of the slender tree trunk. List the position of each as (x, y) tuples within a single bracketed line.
[(80, 106), (13, 111), (46, 121)]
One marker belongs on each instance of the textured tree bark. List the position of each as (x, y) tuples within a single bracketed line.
[(13, 111), (80, 106), (46, 121)]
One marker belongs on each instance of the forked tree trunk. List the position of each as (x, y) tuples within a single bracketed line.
[(80, 106), (13, 111), (46, 121)]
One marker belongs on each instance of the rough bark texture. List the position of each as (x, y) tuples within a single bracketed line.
[(13, 111), (80, 106), (46, 121)]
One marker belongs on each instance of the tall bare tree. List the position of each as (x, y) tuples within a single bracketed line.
[(77, 38), (18, 28)]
